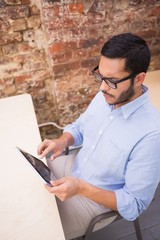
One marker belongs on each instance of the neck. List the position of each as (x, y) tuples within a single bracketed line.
[(137, 93)]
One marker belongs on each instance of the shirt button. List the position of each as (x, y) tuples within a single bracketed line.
[(93, 147), (85, 159), (111, 117)]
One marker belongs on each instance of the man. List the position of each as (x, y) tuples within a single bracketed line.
[(119, 163)]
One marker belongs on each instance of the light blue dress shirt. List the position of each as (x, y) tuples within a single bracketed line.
[(121, 151)]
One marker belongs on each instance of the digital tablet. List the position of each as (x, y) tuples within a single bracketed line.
[(38, 165)]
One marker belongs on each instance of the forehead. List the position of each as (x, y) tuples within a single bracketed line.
[(111, 67)]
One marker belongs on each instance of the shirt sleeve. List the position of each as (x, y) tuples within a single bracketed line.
[(141, 178), (76, 130)]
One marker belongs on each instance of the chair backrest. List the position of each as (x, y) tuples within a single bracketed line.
[(152, 81)]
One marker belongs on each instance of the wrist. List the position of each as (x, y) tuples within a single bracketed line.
[(67, 139), (63, 141), (81, 187)]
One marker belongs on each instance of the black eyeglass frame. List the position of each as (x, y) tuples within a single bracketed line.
[(100, 78)]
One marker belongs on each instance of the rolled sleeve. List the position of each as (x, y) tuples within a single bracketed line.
[(128, 205), (73, 129), (141, 178)]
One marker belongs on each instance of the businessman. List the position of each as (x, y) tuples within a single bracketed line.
[(118, 165)]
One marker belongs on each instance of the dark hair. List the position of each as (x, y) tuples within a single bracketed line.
[(131, 47)]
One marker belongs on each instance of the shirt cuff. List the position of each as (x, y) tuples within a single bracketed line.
[(127, 205), (78, 139)]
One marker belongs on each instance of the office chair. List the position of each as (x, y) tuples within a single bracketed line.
[(101, 217)]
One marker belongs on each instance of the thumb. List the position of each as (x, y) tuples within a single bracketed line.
[(57, 182)]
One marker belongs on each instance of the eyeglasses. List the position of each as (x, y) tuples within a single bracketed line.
[(109, 81)]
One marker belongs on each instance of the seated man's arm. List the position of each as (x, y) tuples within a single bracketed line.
[(56, 146), (141, 180)]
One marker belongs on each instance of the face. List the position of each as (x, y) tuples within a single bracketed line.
[(126, 91)]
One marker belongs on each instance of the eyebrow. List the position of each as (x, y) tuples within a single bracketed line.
[(108, 77)]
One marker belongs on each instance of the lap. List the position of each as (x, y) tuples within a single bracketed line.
[(76, 212)]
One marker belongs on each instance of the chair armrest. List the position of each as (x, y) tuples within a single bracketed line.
[(98, 218), (50, 123)]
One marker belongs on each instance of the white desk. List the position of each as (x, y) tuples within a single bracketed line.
[(27, 210), (153, 82)]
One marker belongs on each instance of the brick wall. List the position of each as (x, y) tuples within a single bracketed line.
[(24, 65), (48, 48)]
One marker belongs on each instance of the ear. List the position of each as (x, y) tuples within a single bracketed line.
[(139, 79)]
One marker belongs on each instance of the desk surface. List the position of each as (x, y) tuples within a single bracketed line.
[(27, 210)]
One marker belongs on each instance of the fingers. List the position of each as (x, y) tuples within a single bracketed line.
[(42, 146), (58, 182), (64, 188), (45, 148), (55, 154), (52, 148), (58, 189)]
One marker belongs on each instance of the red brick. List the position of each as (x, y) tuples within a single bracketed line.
[(158, 22), (41, 75), (8, 62), (69, 55), (94, 18), (34, 10), (19, 25), (61, 57), (80, 54), (24, 47), (10, 49), (63, 68), (34, 75), (2, 3), (89, 63), (147, 33), (14, 12), (4, 26), (52, 11), (58, 58), (56, 48), (9, 89), (22, 78), (88, 43), (35, 56), (155, 11), (48, 14), (13, 2), (76, 7), (61, 23), (29, 82), (30, 66), (27, 2), (60, 47), (10, 69), (34, 22), (10, 38)]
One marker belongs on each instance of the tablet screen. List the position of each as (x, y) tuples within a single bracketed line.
[(38, 165)]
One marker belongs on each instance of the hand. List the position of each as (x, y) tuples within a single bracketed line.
[(47, 146), (65, 188)]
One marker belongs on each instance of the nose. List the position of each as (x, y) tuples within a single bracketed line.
[(104, 87)]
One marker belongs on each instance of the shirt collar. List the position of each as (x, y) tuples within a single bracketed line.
[(132, 106)]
